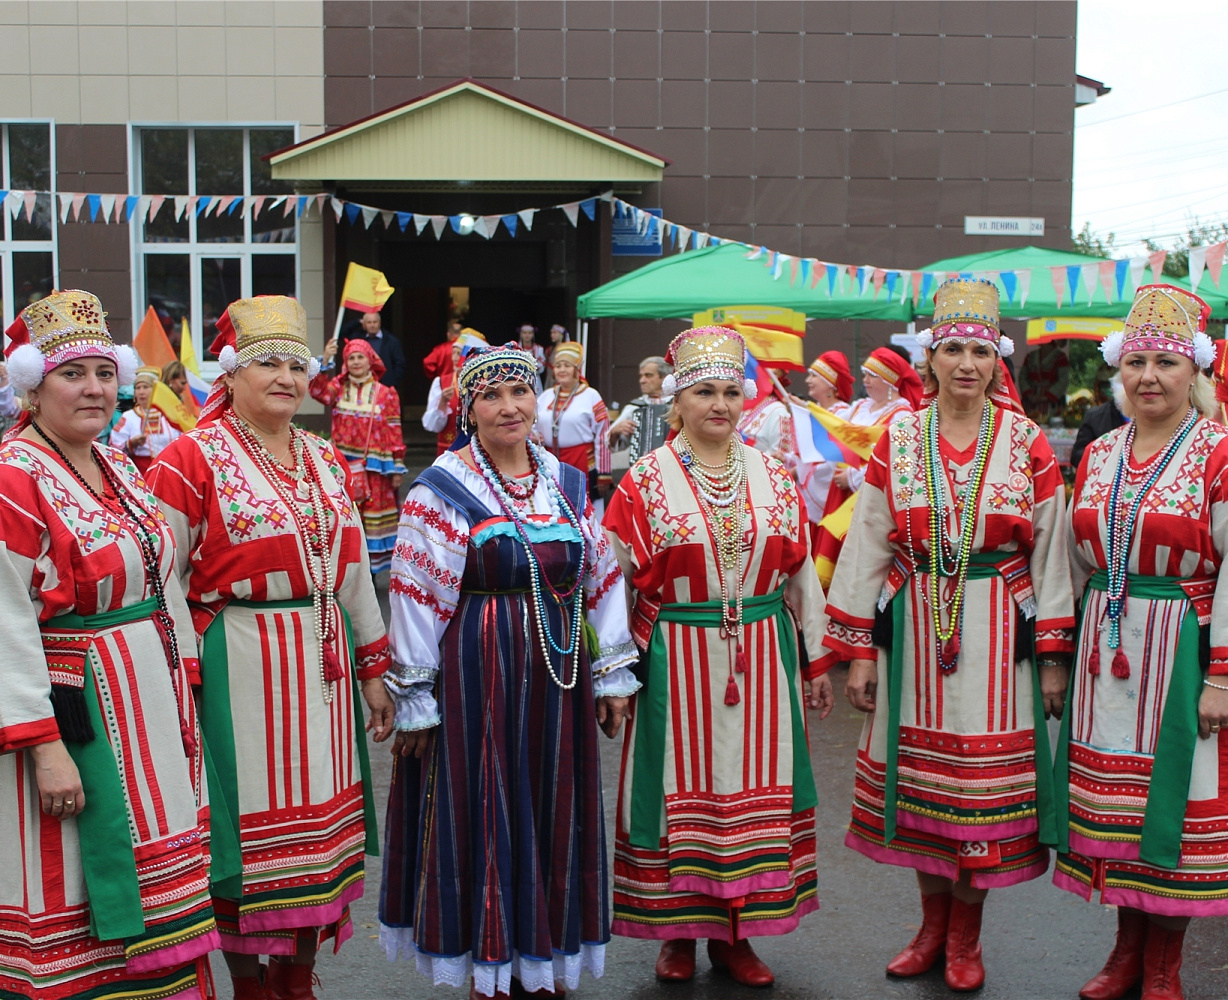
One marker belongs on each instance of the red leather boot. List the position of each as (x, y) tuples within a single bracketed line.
[(930, 944), (291, 981), (741, 962), (250, 987), (964, 972), (1162, 964), (1124, 969), (676, 963)]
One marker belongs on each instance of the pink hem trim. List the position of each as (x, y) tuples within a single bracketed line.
[(714, 929), (172, 957), (305, 916), (197, 991), (1064, 881), (943, 869), (248, 944), (1114, 850), (961, 832), (766, 882), (1144, 901)]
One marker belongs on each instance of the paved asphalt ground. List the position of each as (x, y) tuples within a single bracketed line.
[(1040, 942)]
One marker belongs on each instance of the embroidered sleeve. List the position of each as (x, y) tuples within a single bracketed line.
[(601, 442), (180, 480), (1048, 562), (1217, 501), (626, 527), (427, 565), (326, 388)]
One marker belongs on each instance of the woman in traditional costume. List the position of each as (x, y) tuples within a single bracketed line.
[(958, 663), (1143, 752), (143, 433), (366, 430), (574, 424), (715, 832), (527, 333), (269, 546), (442, 402), (103, 820), (829, 383), (893, 390), (508, 622), (558, 335)]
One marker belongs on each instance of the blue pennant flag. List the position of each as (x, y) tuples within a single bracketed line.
[(589, 207), (202, 203), (352, 212), (892, 278), (95, 203), (927, 282), (1073, 272), (832, 272), (862, 274), (1010, 283), (403, 220), (130, 204), (302, 205), (805, 271), (510, 222), (1123, 268)]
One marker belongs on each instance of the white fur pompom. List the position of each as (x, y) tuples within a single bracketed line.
[(669, 385), (925, 339), (228, 359), (1204, 351), (1110, 347), (27, 366), (126, 363), (313, 367), (750, 389), (1006, 346)]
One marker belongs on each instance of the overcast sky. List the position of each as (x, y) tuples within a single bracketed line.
[(1146, 165)]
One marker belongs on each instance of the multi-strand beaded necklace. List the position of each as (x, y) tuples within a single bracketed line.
[(722, 499), (951, 552), (311, 522), (509, 494), (1125, 502)]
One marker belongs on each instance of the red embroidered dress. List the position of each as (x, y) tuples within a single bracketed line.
[(970, 775), (366, 429), (1148, 799), (715, 835), (114, 902), (576, 430), (289, 748)]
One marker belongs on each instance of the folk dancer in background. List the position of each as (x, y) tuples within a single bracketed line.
[(1143, 801), (573, 422), (558, 335), (527, 334), (144, 432), (366, 430), (642, 426), (766, 423), (952, 601), (105, 859), (439, 361), (442, 403), (829, 383), (269, 549), (510, 641)]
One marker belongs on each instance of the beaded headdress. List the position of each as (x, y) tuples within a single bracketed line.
[(833, 368), (706, 352), (1163, 318), (148, 373), (569, 352), (967, 309), (260, 329), (896, 372), (64, 326), (494, 366)]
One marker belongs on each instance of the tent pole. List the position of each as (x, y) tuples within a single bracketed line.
[(584, 347)]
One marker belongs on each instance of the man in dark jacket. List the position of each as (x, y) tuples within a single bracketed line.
[(386, 346), (1097, 422)]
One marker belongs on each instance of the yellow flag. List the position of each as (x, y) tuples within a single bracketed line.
[(187, 353), (172, 407), (855, 437), (365, 289), (773, 348)]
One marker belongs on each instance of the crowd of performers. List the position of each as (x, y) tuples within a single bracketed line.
[(196, 651)]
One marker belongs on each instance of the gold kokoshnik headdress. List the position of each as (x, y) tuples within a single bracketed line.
[(61, 327), (707, 352), (967, 309), (1163, 318)]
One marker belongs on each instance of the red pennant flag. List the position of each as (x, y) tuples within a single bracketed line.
[(1108, 275), (77, 201), (876, 279), (815, 267), (1059, 282), (1157, 264), (1215, 261), (916, 286)]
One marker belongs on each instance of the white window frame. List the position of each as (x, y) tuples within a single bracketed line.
[(9, 247), (197, 251)]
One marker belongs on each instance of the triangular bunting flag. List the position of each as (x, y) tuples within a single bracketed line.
[(1058, 274), (302, 204), (917, 277), (893, 278), (387, 218), (338, 207), (479, 227), (492, 225), (684, 237), (589, 207), (77, 201), (65, 205), (181, 203), (572, 211), (877, 276), (320, 203), (832, 271), (1025, 285), (352, 212), (1156, 260), (1120, 269), (1137, 266), (805, 270), (1215, 261), (29, 201), (1074, 274), (420, 222), (455, 222), (368, 215), (437, 224), (607, 195), (254, 206), (1009, 283), (526, 217), (1198, 264), (509, 222), (794, 267), (153, 205), (1090, 273), (95, 202), (701, 240), (403, 220), (130, 204), (202, 202)]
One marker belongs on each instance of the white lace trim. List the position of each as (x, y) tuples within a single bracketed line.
[(534, 976)]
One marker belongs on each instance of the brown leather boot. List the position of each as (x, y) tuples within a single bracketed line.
[(1162, 963), (291, 981), (964, 972), (929, 946), (1124, 969)]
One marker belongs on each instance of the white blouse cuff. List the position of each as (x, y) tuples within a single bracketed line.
[(417, 708), (617, 683), (610, 657)]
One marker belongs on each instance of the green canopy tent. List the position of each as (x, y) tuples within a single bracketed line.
[(686, 283), (1042, 297)]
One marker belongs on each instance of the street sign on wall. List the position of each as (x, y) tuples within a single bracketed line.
[(1004, 225), (630, 242)]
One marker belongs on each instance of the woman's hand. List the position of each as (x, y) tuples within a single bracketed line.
[(445, 396), (411, 743), (1054, 679), (820, 696), (611, 711), (59, 782), (841, 478), (330, 351), (396, 478), (383, 712), (136, 442), (862, 684), (1212, 710)]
